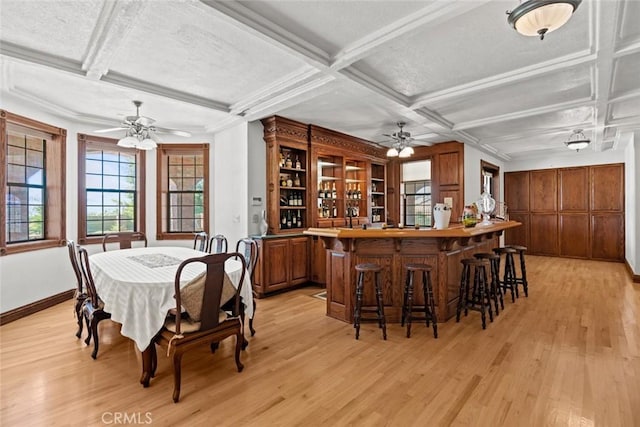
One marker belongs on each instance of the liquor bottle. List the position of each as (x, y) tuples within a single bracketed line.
[(320, 190), (298, 164), (283, 181), (298, 220), (283, 221), (296, 181), (349, 194), (288, 163), (327, 193), (334, 192), (358, 193), (289, 181), (335, 211), (289, 223)]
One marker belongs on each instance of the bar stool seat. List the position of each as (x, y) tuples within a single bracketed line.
[(428, 309), (477, 298), (364, 269), (522, 280), (495, 291), (509, 279)]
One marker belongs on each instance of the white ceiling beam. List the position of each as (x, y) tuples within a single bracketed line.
[(434, 13), (144, 86), (40, 58), (523, 114), (509, 77), (604, 70), (114, 24), (283, 84), (247, 20)]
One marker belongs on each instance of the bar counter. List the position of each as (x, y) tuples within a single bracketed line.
[(392, 248)]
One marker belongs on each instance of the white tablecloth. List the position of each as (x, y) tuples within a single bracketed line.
[(137, 286)]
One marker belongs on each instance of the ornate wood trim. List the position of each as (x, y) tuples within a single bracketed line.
[(328, 137)]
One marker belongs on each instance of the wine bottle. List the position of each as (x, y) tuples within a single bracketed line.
[(348, 191), (298, 221), (334, 192), (296, 181), (320, 190), (283, 221), (289, 223), (358, 193)]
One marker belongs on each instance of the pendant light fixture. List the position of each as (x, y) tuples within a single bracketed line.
[(539, 17), (577, 141)]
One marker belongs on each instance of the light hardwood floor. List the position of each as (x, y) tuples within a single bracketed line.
[(569, 355)]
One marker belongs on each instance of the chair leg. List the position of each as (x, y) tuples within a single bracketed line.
[(177, 375), (79, 316), (357, 314), (432, 305), (154, 359), (523, 270), (253, 331), (381, 319), (94, 332), (409, 306), (239, 339), (461, 301), (87, 320)]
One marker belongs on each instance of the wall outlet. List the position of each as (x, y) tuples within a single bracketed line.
[(255, 218)]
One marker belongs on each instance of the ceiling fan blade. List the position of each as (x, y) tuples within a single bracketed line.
[(172, 131), (144, 121), (110, 129)]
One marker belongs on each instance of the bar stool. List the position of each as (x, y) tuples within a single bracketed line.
[(477, 299), (509, 281), (494, 286), (362, 270), (428, 309), (523, 269)]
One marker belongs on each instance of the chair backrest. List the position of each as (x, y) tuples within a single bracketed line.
[(92, 294), (250, 250), (124, 238), (218, 244), (214, 282), (73, 256), (201, 241)]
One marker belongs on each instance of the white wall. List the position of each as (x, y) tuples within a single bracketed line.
[(230, 183), (257, 179), (632, 201)]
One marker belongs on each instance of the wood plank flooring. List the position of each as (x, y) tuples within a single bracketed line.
[(569, 355)]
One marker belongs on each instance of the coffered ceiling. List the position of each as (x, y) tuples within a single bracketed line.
[(453, 70)]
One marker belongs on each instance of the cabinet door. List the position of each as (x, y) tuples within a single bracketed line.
[(607, 188), (318, 261), (299, 260), (276, 253), (573, 189), (543, 191), (544, 234), (574, 235), (608, 237), (516, 191)]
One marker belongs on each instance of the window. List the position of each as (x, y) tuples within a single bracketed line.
[(110, 188), (183, 182), (33, 155), (416, 193)]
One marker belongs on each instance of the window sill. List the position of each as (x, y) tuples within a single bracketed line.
[(16, 248)]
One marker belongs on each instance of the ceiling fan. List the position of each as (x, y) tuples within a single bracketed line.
[(401, 140), (140, 131)]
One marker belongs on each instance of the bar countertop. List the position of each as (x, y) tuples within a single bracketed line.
[(455, 231)]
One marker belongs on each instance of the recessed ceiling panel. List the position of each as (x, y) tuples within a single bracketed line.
[(626, 109), (626, 75), (536, 92), (61, 28), (332, 25), (629, 28), (186, 46), (476, 45), (31, 82), (539, 123)]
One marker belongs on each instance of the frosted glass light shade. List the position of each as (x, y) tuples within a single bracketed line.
[(128, 142), (147, 144), (406, 152), (392, 152), (539, 17)]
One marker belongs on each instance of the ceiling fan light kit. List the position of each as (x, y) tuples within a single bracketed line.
[(400, 147), (539, 17), (577, 141), (140, 132)]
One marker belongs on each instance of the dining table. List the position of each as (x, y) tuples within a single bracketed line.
[(137, 286)]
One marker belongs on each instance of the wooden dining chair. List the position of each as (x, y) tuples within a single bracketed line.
[(250, 250), (207, 322), (80, 295), (201, 241), (124, 239), (93, 307), (218, 244)]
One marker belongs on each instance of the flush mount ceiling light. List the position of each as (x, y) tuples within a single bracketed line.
[(577, 141), (140, 131), (539, 17), (400, 147)]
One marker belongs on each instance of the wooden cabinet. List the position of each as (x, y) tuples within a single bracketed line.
[(287, 177), (573, 212), (378, 195), (283, 263)]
